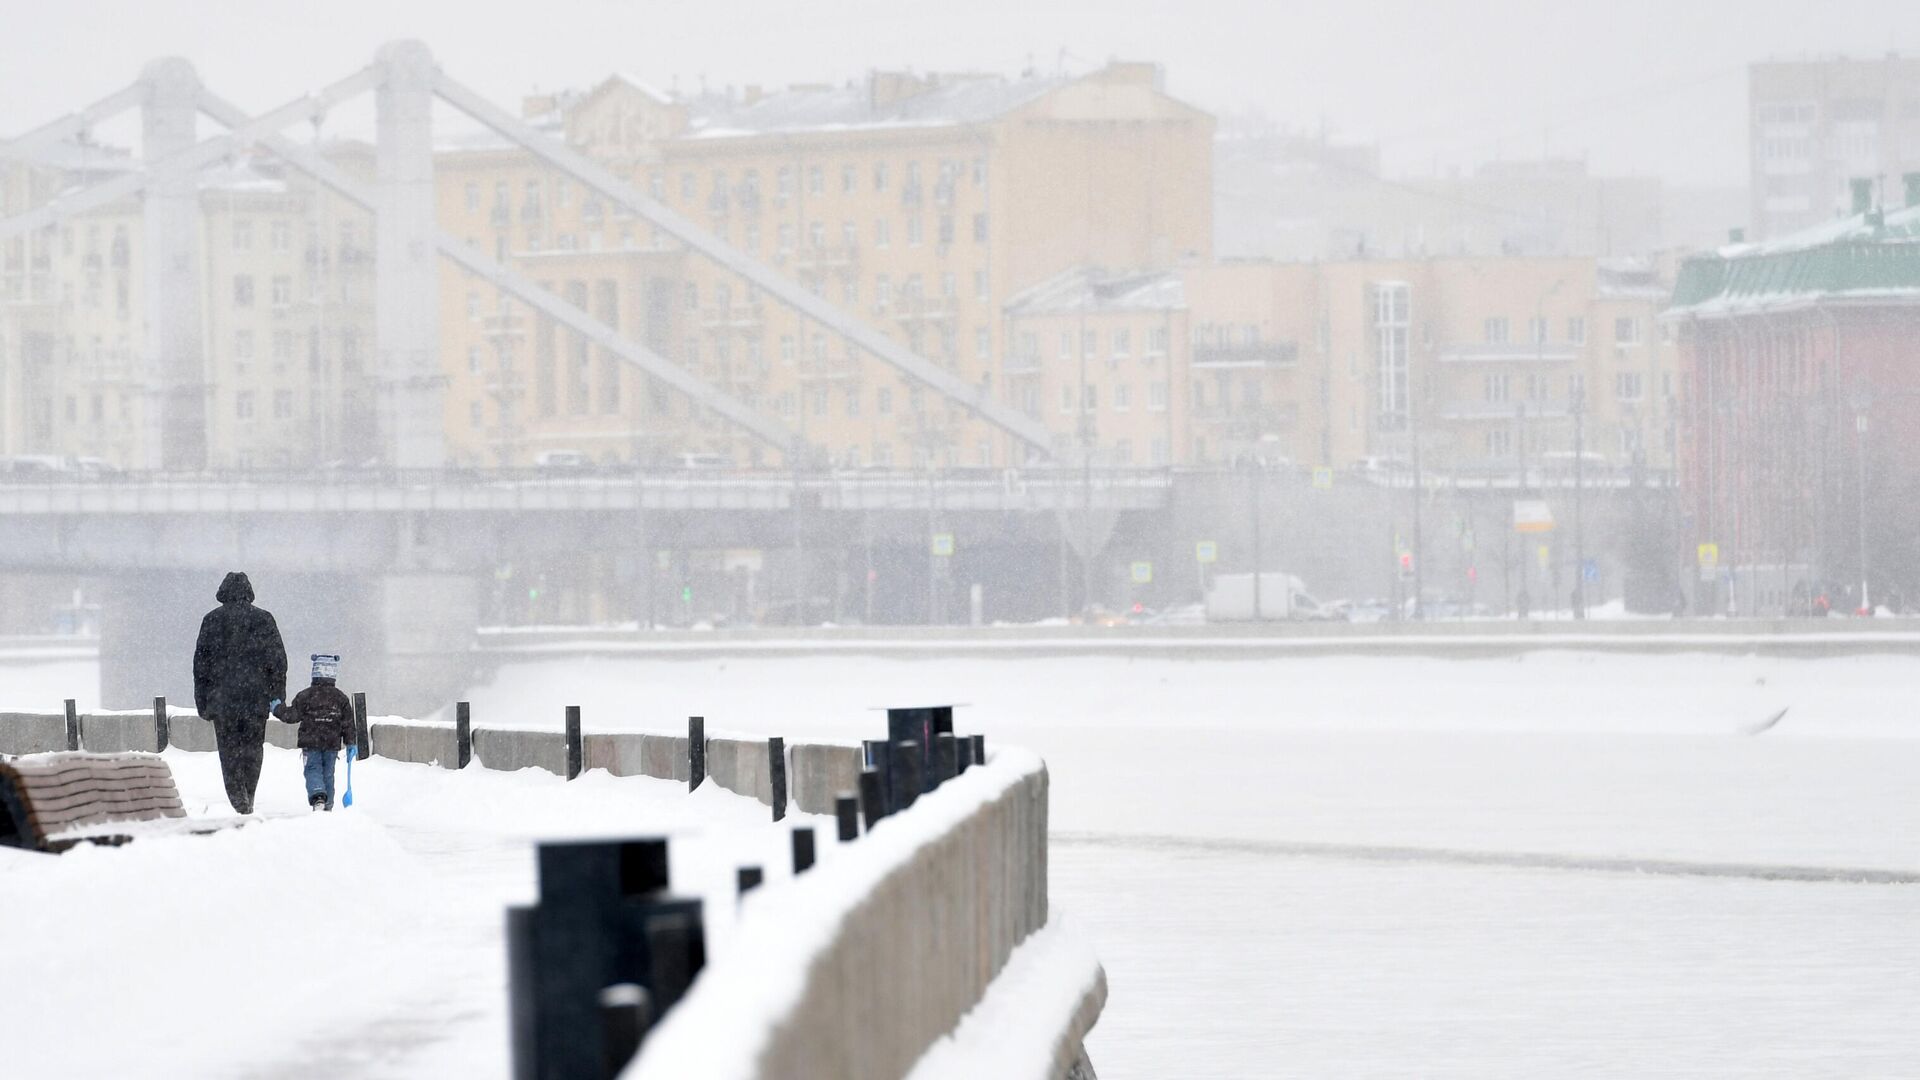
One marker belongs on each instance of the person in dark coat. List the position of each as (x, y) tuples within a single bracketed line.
[(325, 717), (239, 675)]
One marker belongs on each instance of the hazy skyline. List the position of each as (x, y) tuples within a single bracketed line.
[(1635, 86)]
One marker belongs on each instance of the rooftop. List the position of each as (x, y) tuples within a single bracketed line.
[(882, 101), (1858, 258), (1092, 289)]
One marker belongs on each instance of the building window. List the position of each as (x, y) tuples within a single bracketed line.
[(1576, 388), (1066, 345), (949, 285), (473, 196), (982, 343), (279, 235), (1496, 330), (1157, 396), (946, 229), (1392, 320), (979, 228), (817, 234), (1157, 339), (883, 401), (879, 176), (282, 291), (283, 405), (1627, 386), (1626, 330), (882, 234), (243, 405), (242, 345), (1089, 343), (1066, 398), (980, 290), (1577, 330), (243, 290), (242, 235), (1122, 398), (882, 291), (853, 395), (1537, 331), (1122, 343), (1497, 388), (282, 346), (913, 232), (816, 181), (1499, 443)]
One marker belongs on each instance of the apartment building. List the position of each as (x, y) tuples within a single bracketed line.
[(1483, 361), (286, 306), (1817, 125), (920, 204)]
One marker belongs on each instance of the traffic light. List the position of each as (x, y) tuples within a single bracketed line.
[(1406, 564)]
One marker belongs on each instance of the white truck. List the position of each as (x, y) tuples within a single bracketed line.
[(1282, 596)]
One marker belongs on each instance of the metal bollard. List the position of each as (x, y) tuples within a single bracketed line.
[(846, 811), (946, 759), (696, 751), (624, 1018), (462, 735), (361, 738), (873, 799), (573, 741), (979, 749), (963, 748), (908, 767), (777, 775), (802, 848), (160, 731), (73, 726)]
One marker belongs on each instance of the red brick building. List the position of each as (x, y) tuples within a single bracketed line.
[(1800, 415)]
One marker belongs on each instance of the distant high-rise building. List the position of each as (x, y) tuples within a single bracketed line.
[(1815, 126)]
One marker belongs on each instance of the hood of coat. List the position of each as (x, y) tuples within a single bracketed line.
[(235, 589)]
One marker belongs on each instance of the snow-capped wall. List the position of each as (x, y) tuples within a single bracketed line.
[(855, 969)]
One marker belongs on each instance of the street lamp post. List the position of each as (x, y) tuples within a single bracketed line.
[(1860, 495), (1579, 404)]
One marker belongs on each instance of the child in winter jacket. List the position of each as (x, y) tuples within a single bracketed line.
[(325, 716)]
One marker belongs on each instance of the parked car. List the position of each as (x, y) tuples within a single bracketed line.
[(693, 459), (562, 461), (1230, 598)]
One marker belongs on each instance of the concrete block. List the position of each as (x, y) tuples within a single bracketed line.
[(423, 744), (32, 733), (621, 754), (818, 772), (193, 733), (740, 766), (664, 757), (496, 748), (283, 735), (117, 733)]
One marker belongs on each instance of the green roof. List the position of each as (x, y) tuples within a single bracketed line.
[(1853, 259)]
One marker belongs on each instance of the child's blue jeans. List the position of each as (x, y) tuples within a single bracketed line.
[(319, 770)]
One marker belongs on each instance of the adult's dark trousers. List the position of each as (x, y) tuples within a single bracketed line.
[(241, 744)]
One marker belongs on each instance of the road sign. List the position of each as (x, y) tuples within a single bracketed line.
[(1546, 556), (1532, 516), (1323, 477), (943, 544), (1141, 573), (1206, 551), (1590, 571), (1709, 556)]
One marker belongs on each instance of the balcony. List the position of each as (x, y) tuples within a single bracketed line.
[(1263, 354), (1485, 411), (1509, 353), (499, 326), (819, 259), (732, 317), (924, 309), (1022, 366)]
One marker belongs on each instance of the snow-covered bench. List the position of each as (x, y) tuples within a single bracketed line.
[(50, 802)]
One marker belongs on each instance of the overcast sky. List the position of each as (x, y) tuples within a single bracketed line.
[(1640, 86)]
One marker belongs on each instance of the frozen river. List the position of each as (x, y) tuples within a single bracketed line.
[(1558, 864), (1184, 793)]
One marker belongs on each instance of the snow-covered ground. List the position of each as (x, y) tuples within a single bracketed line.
[(1219, 833), (364, 943)]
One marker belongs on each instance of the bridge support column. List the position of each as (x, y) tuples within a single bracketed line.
[(174, 414), (425, 623), (406, 317)]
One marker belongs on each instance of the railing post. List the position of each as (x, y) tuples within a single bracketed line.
[(462, 735), (979, 749), (873, 799), (361, 737), (963, 749), (777, 775), (905, 773), (160, 732), (696, 751), (846, 812), (573, 741), (802, 848), (73, 726), (747, 879), (946, 760)]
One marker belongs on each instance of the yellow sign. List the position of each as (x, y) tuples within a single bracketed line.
[(1709, 556), (943, 544), (1532, 516), (1323, 477), (1546, 557), (1206, 551), (1142, 573)]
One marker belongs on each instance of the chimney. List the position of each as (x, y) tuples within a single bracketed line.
[(1862, 194), (1912, 180)]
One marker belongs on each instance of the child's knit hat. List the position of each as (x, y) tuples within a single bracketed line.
[(326, 665)]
